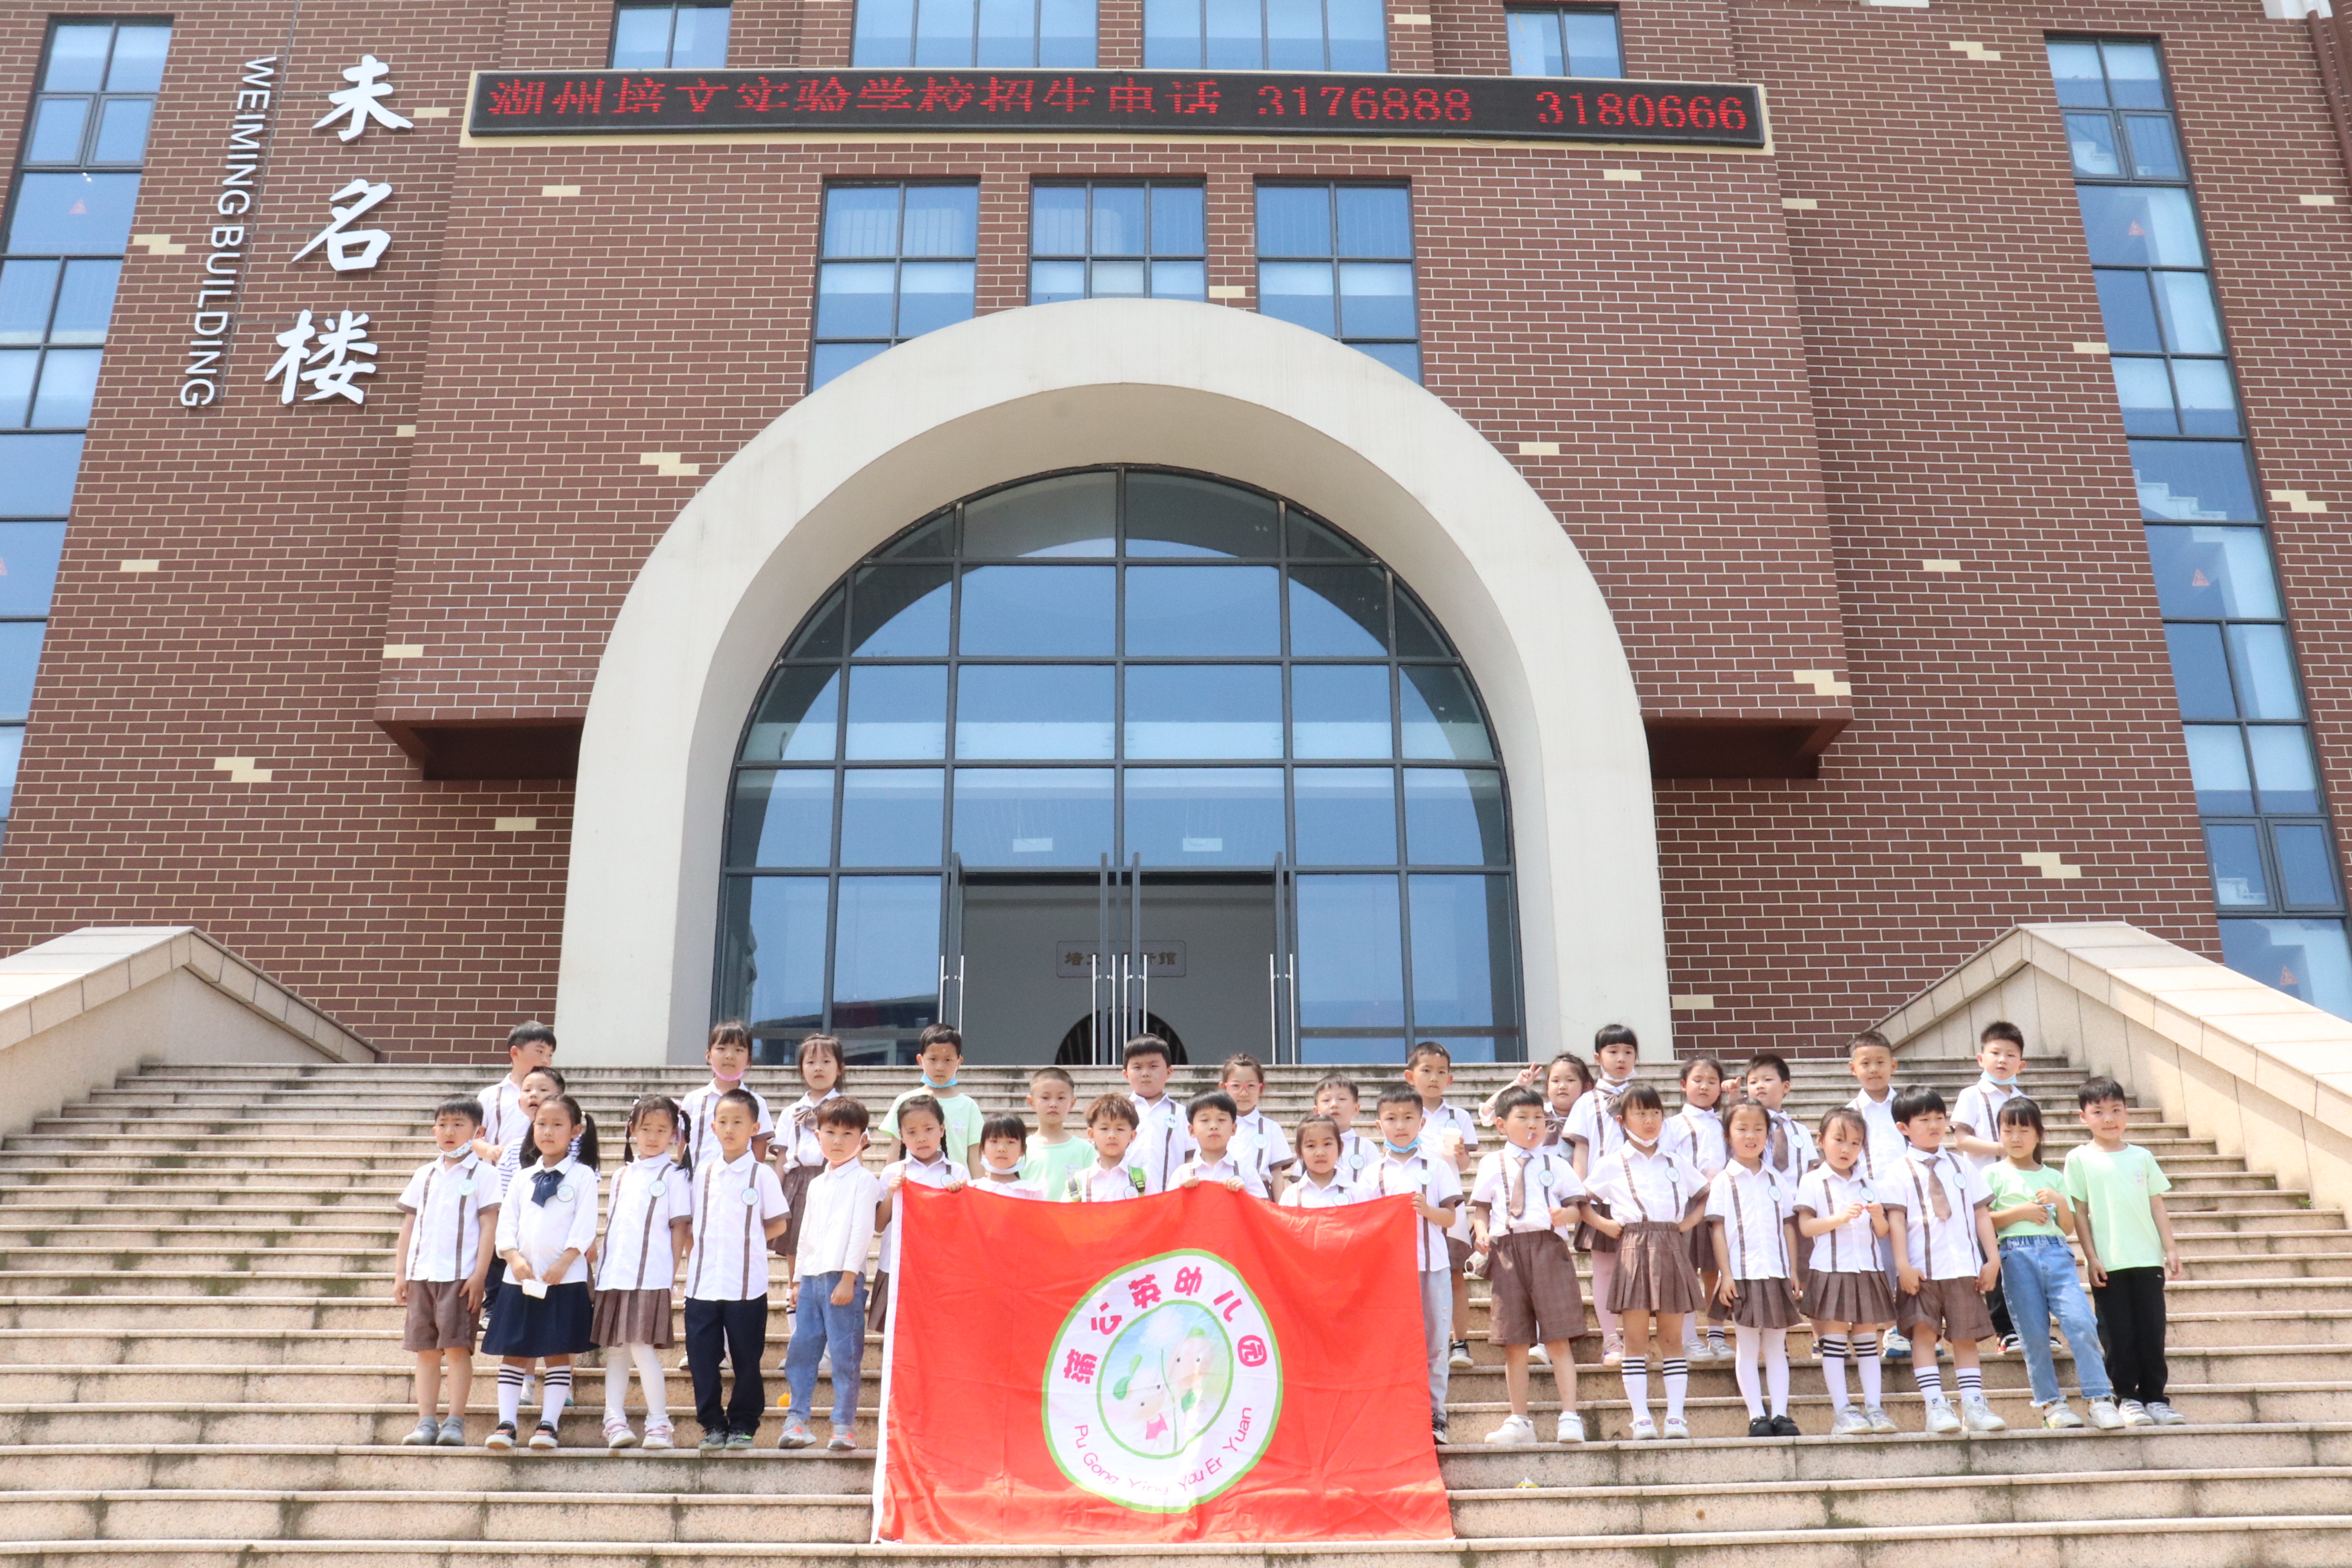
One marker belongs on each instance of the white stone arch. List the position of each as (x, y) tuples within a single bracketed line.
[(1224, 391)]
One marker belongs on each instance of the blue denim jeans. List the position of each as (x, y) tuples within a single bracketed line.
[(820, 1328), (2037, 1276)]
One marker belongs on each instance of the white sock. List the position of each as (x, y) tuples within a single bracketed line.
[(1833, 1363), (1776, 1368), (616, 1384), (1864, 1356), (1972, 1382), (1677, 1374), (555, 1386), (1929, 1376), (509, 1393), (1744, 1369), (649, 1378), (1637, 1385)]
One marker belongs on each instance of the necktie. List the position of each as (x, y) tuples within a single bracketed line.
[(1515, 1193), (544, 1184), (1936, 1193), (1780, 1142)]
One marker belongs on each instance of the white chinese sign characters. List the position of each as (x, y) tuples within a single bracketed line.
[(329, 351)]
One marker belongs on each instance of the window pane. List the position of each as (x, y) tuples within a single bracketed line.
[(1346, 816), (2192, 323), (897, 711), (831, 360), (1359, 36), (1069, 515), (2139, 226), (885, 37), (1592, 45), (1120, 217), (1294, 30), (701, 38), (773, 950), (2129, 309), (943, 220), (1403, 358), (2217, 766), (2134, 76), (1338, 611), (943, 32), (1117, 280), (2194, 482), (1375, 223), (2213, 573), (2074, 67), (41, 470), (1339, 710), (1235, 35), (900, 612), (26, 289), (1204, 710), (2092, 138), (1171, 35), (782, 819), (2307, 863), (122, 130), (1051, 283), (1032, 816), (2209, 405), (77, 59), (138, 59), (2306, 959), (1298, 292), (933, 294), (2156, 150), (797, 717), (1454, 818), (1170, 515), (58, 126), (2145, 391), (1310, 538), (2267, 688), (1441, 719), (1535, 44), (1462, 969), (2235, 850), (1376, 300), (19, 368), (1066, 34), (1294, 220), (1052, 713), (86, 302), (1057, 220), (68, 382), (1416, 634), (1204, 817), (2284, 779), (820, 635), (1038, 611), (1351, 952), (891, 817), (1194, 610), (20, 656), (885, 962), (861, 220), (855, 298), (73, 215), (1177, 224), (29, 566), (1179, 281), (2201, 678), (12, 756)]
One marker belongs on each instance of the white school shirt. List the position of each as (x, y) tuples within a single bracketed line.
[(733, 1202), (1261, 1137), (704, 1144), (1852, 1247), (1357, 1155), (1593, 1118), (1253, 1183), (1437, 1182), (1883, 1152), (1652, 1188), (566, 1222), (1454, 1119), (1696, 1135), (1753, 1207), (799, 1141), (510, 1163), (1549, 1182), (1979, 1108), (940, 1173), (1802, 1154), (448, 1202), (640, 1249), (837, 1219), (1940, 1249), (1162, 1143), (1307, 1194), (503, 1121), (1095, 1184), (1019, 1186)]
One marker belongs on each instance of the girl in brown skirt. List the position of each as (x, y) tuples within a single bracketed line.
[(1845, 1292), (649, 1231), (1748, 1210), (1653, 1201)]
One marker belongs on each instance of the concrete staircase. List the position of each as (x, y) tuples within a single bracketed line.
[(200, 1365)]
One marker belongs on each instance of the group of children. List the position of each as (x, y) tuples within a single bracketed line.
[(1897, 1222)]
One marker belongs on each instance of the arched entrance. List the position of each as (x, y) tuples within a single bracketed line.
[(1035, 391), (1128, 744)]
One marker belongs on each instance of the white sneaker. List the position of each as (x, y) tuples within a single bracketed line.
[(1677, 1428), (1458, 1357), (2105, 1416), (1642, 1429), (1613, 1352), (2135, 1414), (1696, 1351), (1942, 1420), (617, 1435), (1882, 1425), (659, 1438), (1539, 1354), (1894, 1347), (1515, 1428), (1572, 1427), (2059, 1417), (1978, 1416), (2162, 1413), (1849, 1423)]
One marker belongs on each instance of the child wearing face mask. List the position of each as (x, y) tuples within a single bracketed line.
[(939, 1056), (1004, 1145)]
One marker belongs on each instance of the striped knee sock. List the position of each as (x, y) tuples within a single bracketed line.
[(1864, 1357), (1636, 1374), (1929, 1376), (555, 1385), (1971, 1380), (1677, 1374), (509, 1393), (1834, 1355)]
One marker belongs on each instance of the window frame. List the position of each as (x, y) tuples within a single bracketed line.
[(1614, 12), (1149, 255), (669, 48), (1260, 257), (897, 261)]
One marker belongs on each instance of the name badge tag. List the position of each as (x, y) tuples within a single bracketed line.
[(751, 1196), (563, 1193), (465, 1189), (657, 1189)]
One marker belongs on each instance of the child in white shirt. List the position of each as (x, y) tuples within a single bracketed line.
[(648, 1234), (1976, 1128), (545, 1310), (1004, 1143), (739, 1208), (1522, 1211), (1695, 1134), (1871, 1059), (729, 1053), (922, 1133), (1846, 1297), (836, 1227), (1788, 1149), (1111, 1125), (447, 1233), (1593, 1132), (1654, 1201), (1211, 1119), (1429, 1068), (1946, 1257), (1321, 1185), (796, 1153), (505, 1121), (1161, 1141), (1407, 1168), (1749, 1212), (1258, 1139), (1339, 1099)]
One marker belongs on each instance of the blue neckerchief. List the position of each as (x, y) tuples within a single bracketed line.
[(544, 1184)]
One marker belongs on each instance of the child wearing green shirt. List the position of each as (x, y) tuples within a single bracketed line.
[(2031, 1220), (939, 1055), (2119, 1192)]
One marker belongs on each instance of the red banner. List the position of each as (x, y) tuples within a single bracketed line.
[(1195, 1366)]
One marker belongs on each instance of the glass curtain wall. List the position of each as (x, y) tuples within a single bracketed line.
[(2267, 833)]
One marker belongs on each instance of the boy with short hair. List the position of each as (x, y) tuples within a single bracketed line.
[(1406, 1168), (1211, 1119), (1946, 1258), (1111, 1175), (504, 1119), (729, 1054), (939, 1056), (1870, 1058), (1976, 1128), (2118, 1190), (1056, 1153), (1527, 1201), (1429, 1068), (1161, 1142), (837, 1210), (1336, 1097), (444, 1249), (1790, 1153), (739, 1208)]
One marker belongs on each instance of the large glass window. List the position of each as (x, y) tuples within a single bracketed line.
[(1337, 259), (2267, 834), (1108, 239), (1111, 663), (1265, 35), (1570, 40), (68, 222), (899, 260), (1010, 33), (652, 34)]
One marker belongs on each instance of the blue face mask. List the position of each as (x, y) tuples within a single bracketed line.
[(930, 1083), (2008, 1082), (1394, 1148)]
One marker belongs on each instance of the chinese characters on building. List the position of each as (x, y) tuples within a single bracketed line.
[(328, 351)]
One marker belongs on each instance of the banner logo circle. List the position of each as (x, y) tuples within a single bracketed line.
[(1164, 1385)]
